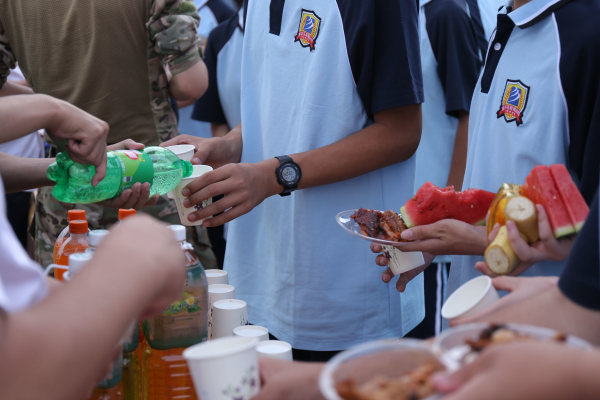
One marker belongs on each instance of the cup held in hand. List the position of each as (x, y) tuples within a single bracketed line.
[(183, 211), (184, 152), (400, 262), (471, 298)]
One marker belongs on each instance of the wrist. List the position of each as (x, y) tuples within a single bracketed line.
[(268, 168)]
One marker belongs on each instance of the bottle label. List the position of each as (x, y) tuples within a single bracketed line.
[(136, 167)]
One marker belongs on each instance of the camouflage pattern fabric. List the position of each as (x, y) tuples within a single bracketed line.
[(51, 219), (173, 42), (7, 57)]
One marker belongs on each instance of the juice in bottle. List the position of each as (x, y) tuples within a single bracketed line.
[(71, 216), (77, 242), (166, 335)]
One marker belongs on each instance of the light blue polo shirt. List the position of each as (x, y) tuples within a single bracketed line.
[(212, 12), (536, 102), (313, 73)]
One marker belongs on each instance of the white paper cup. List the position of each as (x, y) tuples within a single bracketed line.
[(215, 293), (256, 331), (184, 152), (199, 170), (472, 297), (400, 262), (224, 369), (227, 315), (217, 277), (275, 349)]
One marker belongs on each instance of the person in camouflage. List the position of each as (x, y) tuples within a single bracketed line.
[(174, 68)]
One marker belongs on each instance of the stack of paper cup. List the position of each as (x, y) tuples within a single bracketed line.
[(224, 369), (275, 349), (184, 152), (183, 211), (227, 315), (217, 277), (401, 262), (216, 293), (252, 331)]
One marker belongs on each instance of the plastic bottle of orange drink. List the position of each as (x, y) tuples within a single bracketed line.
[(184, 323), (76, 242), (71, 216)]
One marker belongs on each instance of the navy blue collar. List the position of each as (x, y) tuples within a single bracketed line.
[(532, 12)]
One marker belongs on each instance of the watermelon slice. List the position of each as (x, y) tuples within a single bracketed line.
[(539, 187), (577, 208), (432, 204)]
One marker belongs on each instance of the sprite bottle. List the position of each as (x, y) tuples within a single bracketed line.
[(157, 165)]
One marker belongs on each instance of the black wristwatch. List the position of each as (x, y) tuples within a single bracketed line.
[(288, 175)]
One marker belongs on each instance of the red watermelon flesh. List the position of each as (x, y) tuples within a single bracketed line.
[(577, 208), (539, 187), (432, 204)]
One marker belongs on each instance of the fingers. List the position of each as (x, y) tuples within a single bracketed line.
[(376, 248), (382, 261), (100, 170), (152, 201), (126, 144), (544, 226), (181, 139), (202, 182), (387, 276), (493, 233), (143, 197), (518, 244), (484, 269), (229, 215), (408, 276), (507, 283)]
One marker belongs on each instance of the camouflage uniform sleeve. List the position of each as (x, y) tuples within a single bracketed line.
[(173, 30), (7, 57)]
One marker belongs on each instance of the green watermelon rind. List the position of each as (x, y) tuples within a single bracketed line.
[(404, 215), (564, 232)]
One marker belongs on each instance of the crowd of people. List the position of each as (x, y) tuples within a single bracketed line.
[(360, 102)]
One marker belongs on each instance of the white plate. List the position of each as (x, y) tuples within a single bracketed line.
[(351, 226)]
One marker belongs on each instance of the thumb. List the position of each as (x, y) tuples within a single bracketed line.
[(507, 283), (133, 145), (418, 233), (202, 154)]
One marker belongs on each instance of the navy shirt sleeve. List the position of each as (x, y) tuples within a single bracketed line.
[(579, 33), (382, 40), (208, 108), (454, 42), (580, 280), (220, 10)]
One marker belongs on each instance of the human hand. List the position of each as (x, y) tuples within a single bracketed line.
[(244, 185), (524, 371), (155, 263), (446, 237), (215, 152), (284, 380), (127, 144), (405, 277), (82, 135), (547, 248), (519, 288), (137, 198)]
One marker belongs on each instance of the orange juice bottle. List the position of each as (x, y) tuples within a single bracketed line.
[(126, 213), (77, 242), (71, 216), (166, 335)]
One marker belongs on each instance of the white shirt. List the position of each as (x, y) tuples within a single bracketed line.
[(22, 283)]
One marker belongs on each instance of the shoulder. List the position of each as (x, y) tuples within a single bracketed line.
[(220, 9), (445, 13), (577, 23)]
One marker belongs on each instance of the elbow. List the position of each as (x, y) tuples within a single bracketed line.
[(190, 85)]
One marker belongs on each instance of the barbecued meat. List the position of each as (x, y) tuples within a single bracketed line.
[(375, 224)]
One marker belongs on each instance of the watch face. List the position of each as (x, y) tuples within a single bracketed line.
[(289, 174)]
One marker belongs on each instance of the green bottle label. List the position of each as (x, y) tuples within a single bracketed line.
[(136, 167)]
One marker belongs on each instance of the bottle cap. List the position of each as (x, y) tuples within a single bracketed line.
[(78, 261), (78, 226), (96, 237), (125, 213), (76, 214), (179, 231)]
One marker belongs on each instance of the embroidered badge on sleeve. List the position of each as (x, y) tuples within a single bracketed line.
[(308, 32), (514, 101)]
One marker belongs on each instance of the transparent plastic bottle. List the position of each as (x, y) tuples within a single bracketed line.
[(95, 238), (77, 242), (72, 215), (157, 165), (111, 387), (183, 324)]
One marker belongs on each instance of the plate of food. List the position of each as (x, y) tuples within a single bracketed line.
[(382, 370), (375, 226)]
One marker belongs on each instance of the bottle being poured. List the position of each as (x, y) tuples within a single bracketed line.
[(157, 165)]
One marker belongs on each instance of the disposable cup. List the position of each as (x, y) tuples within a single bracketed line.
[(215, 293), (400, 262), (227, 315), (472, 297), (184, 152), (224, 369), (217, 276), (256, 331), (275, 349), (183, 211)]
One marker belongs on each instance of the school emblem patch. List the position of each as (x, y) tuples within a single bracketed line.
[(308, 32), (514, 101)]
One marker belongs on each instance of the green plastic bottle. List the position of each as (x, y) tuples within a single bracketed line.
[(157, 165)]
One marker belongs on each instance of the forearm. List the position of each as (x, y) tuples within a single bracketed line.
[(386, 142), (20, 115), (190, 84), (64, 345), (459, 156), (219, 130), (12, 88), (21, 174)]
